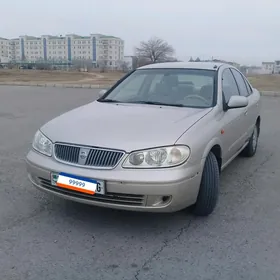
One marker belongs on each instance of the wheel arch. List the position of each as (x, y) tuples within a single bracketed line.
[(214, 146)]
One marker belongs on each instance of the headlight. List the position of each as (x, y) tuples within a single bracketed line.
[(42, 144), (158, 157)]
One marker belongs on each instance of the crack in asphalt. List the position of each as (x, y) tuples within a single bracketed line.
[(267, 158), (164, 245), (185, 229)]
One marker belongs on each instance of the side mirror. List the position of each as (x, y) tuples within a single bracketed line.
[(102, 92), (237, 101)]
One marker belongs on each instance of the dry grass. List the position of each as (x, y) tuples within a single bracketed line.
[(266, 82), (58, 77), (261, 82)]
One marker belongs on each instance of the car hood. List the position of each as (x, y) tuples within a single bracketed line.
[(122, 126)]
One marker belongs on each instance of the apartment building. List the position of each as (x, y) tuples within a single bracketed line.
[(14, 50), (110, 50), (96, 48), (268, 67), (31, 48), (276, 67), (3, 50)]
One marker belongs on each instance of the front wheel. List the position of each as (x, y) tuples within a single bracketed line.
[(209, 188)]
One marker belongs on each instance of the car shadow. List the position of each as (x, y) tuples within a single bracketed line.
[(233, 175)]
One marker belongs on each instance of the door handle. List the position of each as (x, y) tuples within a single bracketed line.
[(246, 113)]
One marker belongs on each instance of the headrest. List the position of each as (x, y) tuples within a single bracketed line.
[(170, 80)]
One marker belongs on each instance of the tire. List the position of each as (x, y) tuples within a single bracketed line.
[(251, 148), (209, 188)]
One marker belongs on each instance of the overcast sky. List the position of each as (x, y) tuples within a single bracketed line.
[(247, 31)]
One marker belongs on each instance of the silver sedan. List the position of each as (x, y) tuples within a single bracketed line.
[(155, 141)]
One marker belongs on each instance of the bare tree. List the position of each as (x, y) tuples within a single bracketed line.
[(123, 65), (76, 64), (154, 50), (102, 65), (141, 61), (40, 65), (88, 64)]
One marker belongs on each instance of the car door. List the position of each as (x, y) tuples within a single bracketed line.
[(251, 113), (234, 131), (254, 100)]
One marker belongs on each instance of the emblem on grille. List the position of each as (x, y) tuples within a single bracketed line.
[(83, 154)]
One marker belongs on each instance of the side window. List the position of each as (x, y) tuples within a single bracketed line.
[(229, 85), (249, 88), (240, 82)]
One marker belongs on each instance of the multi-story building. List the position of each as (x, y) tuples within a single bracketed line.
[(14, 50), (268, 67), (31, 48), (97, 49), (110, 50), (276, 67), (3, 50)]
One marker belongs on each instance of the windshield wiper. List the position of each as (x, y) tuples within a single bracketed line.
[(159, 103), (108, 100)]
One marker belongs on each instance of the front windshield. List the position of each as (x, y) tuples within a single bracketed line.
[(171, 87)]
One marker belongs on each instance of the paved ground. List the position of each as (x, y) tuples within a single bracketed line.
[(42, 237)]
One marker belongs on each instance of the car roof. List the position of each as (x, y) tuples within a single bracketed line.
[(187, 65)]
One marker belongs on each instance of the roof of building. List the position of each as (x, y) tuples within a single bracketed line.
[(108, 36), (30, 37), (75, 36), (189, 65)]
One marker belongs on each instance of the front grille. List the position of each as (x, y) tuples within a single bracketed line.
[(96, 157), (109, 197), (67, 153)]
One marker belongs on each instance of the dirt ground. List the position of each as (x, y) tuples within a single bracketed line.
[(59, 77), (266, 82), (261, 82)]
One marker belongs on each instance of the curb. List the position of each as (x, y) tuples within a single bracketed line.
[(89, 86), (270, 93), (86, 86)]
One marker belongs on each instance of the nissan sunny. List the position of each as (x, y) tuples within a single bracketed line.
[(156, 141)]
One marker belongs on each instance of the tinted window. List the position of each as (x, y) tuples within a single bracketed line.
[(240, 82), (249, 88), (184, 87), (229, 85)]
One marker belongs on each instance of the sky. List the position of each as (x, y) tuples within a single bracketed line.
[(245, 31)]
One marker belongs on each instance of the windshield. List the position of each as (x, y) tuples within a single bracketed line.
[(171, 87)]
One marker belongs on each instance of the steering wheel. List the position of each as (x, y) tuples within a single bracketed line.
[(198, 97)]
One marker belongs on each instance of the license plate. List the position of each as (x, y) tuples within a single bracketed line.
[(77, 183)]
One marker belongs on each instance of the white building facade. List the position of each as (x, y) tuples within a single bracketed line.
[(268, 67), (96, 49), (3, 50), (277, 67)]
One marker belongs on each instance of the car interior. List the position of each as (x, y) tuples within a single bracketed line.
[(171, 90)]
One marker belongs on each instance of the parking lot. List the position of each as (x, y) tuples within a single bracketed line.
[(44, 237)]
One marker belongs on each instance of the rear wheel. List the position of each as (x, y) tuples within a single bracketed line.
[(251, 147), (209, 188)]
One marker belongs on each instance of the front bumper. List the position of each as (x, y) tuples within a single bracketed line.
[(167, 190)]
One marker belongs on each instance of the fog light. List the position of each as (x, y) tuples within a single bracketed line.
[(158, 200)]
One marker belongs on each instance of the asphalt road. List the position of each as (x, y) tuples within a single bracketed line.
[(43, 237)]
